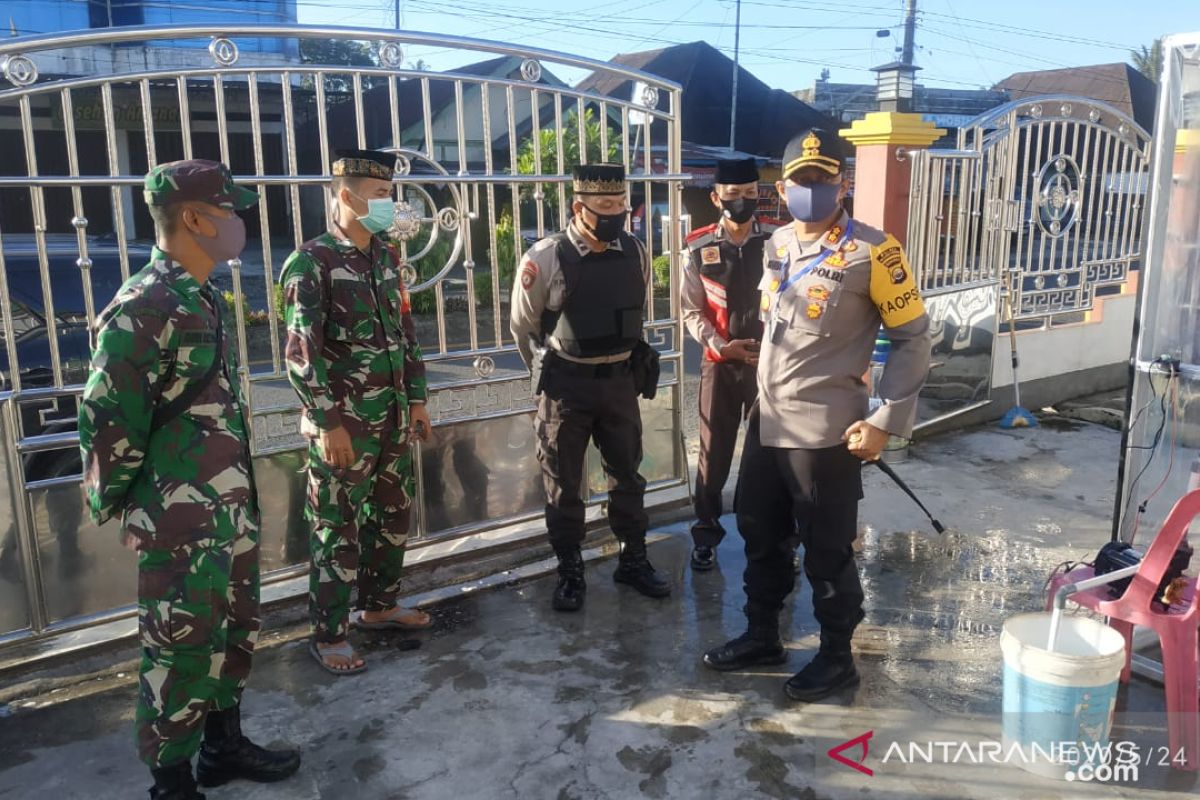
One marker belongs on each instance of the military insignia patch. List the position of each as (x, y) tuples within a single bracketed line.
[(781, 252), (529, 273), (836, 261), (834, 234), (899, 275), (850, 246), (820, 293), (775, 285), (710, 255), (815, 310), (765, 303)]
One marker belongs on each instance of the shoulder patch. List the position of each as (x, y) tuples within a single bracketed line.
[(710, 254), (699, 233), (893, 286)]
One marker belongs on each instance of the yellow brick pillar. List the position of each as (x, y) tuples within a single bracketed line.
[(881, 179)]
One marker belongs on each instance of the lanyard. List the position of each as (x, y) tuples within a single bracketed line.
[(790, 280)]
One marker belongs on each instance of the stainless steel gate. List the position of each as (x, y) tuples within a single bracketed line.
[(1043, 196), (486, 152)]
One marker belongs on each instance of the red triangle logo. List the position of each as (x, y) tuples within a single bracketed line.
[(835, 753)]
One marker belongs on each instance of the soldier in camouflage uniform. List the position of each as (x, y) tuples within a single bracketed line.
[(162, 428), (353, 358)]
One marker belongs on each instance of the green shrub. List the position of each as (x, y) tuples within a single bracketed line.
[(662, 272)]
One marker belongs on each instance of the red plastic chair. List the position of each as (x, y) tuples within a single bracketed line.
[(1176, 627)]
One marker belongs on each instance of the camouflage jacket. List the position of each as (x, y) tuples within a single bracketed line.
[(156, 338), (351, 343)]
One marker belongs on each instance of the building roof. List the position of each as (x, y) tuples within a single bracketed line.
[(766, 117), (849, 101), (1118, 85)]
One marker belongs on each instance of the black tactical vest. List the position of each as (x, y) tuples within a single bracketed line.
[(740, 275), (605, 301)]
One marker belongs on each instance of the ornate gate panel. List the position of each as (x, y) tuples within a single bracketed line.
[(485, 156), (1042, 196)]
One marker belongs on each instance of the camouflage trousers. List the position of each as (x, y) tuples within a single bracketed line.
[(360, 518), (198, 621)]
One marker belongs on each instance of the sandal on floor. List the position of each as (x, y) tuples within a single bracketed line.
[(343, 649), (392, 623)]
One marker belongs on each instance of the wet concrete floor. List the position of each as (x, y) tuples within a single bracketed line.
[(508, 699)]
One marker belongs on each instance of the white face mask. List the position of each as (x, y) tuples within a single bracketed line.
[(380, 213)]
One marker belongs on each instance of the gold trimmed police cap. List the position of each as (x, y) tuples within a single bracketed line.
[(599, 179), (815, 147), (364, 164)]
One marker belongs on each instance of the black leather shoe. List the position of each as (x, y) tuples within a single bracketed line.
[(704, 558), (174, 783), (827, 673), (747, 650), (227, 755), (569, 594), (635, 569)]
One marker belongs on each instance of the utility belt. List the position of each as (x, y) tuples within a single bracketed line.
[(606, 370), (642, 363)]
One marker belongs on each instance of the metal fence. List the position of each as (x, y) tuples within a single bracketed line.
[(485, 154)]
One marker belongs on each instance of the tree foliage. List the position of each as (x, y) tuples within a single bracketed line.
[(1149, 60)]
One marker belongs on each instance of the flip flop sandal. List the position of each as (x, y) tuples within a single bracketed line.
[(345, 650), (392, 624)]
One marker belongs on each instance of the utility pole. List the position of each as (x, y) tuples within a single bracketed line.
[(737, 37), (910, 28)]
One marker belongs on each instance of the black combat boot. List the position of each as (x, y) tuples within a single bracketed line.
[(704, 558), (635, 569), (227, 754), (758, 645), (831, 669), (174, 783), (568, 595)]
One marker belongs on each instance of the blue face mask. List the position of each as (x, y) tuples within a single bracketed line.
[(380, 214), (812, 202)]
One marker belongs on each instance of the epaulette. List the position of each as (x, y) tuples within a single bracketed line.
[(702, 236)]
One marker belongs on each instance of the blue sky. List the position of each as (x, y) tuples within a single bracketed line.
[(961, 43)]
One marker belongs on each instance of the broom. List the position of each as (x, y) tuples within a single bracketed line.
[(1017, 417)]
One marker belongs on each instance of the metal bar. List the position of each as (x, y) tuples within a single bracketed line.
[(110, 137), (428, 117), (185, 116), (66, 181), (1087, 194), (148, 123), (1081, 162), (80, 221), (536, 130), (488, 166), (264, 228), (394, 110), (603, 130), (647, 223), (624, 137), (6, 318), (464, 228), (289, 133), (514, 192), (949, 176), (581, 129), (37, 199), (560, 159), (1106, 146), (26, 534), (359, 123), (222, 120), (58, 41), (323, 139)]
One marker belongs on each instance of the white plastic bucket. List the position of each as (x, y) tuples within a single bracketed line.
[(1058, 705)]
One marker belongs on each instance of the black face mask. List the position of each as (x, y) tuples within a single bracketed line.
[(608, 226), (740, 210)]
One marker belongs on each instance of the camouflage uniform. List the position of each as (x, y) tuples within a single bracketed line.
[(353, 358), (183, 487)]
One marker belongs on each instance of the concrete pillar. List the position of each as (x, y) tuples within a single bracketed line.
[(881, 179)]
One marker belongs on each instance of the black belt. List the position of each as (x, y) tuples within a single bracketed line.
[(591, 370)]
